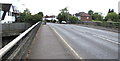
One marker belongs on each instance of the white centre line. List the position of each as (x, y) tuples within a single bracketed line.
[(68, 45)]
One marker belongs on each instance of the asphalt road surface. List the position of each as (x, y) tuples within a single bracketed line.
[(88, 43)]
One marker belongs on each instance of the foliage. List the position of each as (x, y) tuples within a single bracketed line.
[(113, 17), (119, 16), (27, 11), (97, 17), (41, 13), (73, 19), (27, 17), (111, 11), (63, 15), (90, 12), (23, 16)]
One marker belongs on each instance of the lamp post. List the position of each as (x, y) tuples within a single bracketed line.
[(0, 12), (119, 7)]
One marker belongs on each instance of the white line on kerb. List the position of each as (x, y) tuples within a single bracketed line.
[(106, 39), (68, 44)]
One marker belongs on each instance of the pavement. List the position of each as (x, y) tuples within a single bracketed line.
[(47, 45)]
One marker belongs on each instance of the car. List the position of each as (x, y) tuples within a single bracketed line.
[(63, 22)]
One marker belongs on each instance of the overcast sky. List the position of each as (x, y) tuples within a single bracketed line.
[(52, 7)]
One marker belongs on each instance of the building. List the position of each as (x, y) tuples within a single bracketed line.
[(7, 13), (83, 16), (50, 18)]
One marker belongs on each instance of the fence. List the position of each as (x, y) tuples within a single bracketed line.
[(18, 48)]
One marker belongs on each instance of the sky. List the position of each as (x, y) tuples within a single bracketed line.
[(53, 7)]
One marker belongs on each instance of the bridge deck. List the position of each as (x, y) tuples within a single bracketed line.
[(48, 45)]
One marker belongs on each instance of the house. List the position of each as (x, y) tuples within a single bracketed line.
[(83, 16), (7, 13), (50, 18)]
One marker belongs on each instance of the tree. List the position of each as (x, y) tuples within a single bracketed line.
[(73, 19), (60, 17), (27, 11), (90, 12), (63, 15), (34, 18), (27, 17), (97, 17), (38, 17), (112, 16), (119, 16), (111, 11), (23, 16), (41, 13)]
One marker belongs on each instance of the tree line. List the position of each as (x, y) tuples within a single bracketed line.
[(64, 15), (27, 17), (111, 16)]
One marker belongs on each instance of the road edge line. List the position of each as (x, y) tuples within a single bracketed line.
[(78, 57)]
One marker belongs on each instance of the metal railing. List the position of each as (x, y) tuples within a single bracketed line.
[(18, 48)]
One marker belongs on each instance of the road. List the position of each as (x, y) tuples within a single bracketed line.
[(88, 43)]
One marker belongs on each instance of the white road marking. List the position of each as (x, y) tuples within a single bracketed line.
[(106, 39), (68, 45)]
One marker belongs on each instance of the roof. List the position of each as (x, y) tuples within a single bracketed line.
[(82, 14), (52, 16), (5, 6)]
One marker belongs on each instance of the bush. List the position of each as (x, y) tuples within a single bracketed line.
[(27, 17), (112, 17)]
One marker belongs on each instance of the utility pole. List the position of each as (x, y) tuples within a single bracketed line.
[(68, 17), (119, 7), (0, 12)]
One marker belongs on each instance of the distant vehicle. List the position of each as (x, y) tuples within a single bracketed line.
[(44, 22), (63, 22)]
